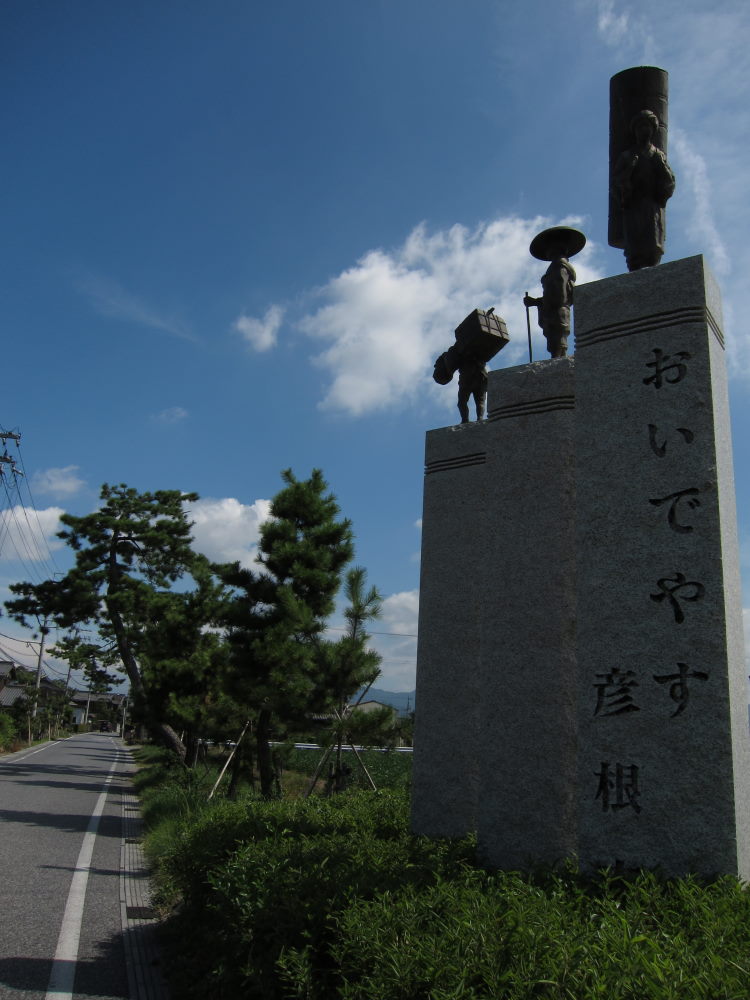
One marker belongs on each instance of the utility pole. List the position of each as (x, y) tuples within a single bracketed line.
[(124, 714), (5, 457)]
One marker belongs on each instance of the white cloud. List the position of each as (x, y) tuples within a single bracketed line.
[(398, 649), (61, 482), (110, 299), (623, 28), (226, 530), (613, 26), (401, 612), (28, 535), (691, 169), (260, 334), (388, 317), (172, 415)]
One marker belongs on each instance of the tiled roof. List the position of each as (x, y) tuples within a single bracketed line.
[(10, 694), (81, 697)]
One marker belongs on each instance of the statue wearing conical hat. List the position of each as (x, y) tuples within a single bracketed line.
[(556, 245)]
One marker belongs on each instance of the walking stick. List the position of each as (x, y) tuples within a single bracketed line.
[(528, 329)]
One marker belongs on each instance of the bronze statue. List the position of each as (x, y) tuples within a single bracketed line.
[(641, 180), (472, 381), (556, 245), (478, 339), (644, 182)]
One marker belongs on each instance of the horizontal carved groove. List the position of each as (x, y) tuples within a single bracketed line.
[(532, 406), (460, 462), (645, 324)]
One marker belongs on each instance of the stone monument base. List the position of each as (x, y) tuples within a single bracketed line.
[(580, 669)]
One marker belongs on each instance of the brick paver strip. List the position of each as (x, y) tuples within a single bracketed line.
[(138, 917)]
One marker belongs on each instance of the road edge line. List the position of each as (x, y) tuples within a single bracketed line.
[(62, 975)]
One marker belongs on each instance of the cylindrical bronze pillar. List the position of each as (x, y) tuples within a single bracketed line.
[(642, 88)]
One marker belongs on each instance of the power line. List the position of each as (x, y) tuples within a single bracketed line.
[(32, 540), (16, 658), (33, 504), (10, 512), (16, 638)]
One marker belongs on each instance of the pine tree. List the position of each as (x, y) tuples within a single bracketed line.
[(276, 617), (181, 659), (128, 555), (349, 667), (90, 658)]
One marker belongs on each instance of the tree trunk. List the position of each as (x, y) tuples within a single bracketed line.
[(170, 739), (165, 731), (265, 767), (168, 736)]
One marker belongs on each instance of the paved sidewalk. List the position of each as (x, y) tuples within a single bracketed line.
[(145, 981)]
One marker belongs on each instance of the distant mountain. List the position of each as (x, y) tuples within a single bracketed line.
[(402, 701)]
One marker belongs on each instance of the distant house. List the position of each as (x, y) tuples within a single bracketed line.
[(8, 673), (11, 693), (14, 686), (374, 706), (87, 706)]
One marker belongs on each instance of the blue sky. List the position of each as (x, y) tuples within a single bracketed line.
[(238, 234)]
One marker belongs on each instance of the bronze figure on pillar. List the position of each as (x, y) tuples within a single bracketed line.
[(556, 245), (641, 180), (478, 339)]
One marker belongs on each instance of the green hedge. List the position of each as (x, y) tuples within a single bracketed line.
[(261, 881), (504, 936), (333, 898)]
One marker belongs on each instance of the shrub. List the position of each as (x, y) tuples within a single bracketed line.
[(504, 936), (267, 877), (333, 898), (8, 731)]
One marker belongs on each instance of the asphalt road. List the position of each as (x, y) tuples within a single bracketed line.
[(48, 801)]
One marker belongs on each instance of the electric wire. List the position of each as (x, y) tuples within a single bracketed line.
[(19, 534), (49, 567), (33, 541), (29, 568), (36, 551), (34, 508), (47, 668), (16, 638)]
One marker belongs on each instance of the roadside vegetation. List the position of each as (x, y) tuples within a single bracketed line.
[(331, 897), (20, 727), (295, 876), (8, 732)]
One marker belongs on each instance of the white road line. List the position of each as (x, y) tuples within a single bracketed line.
[(17, 760), (61, 978)]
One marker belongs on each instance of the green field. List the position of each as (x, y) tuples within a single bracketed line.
[(388, 768)]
